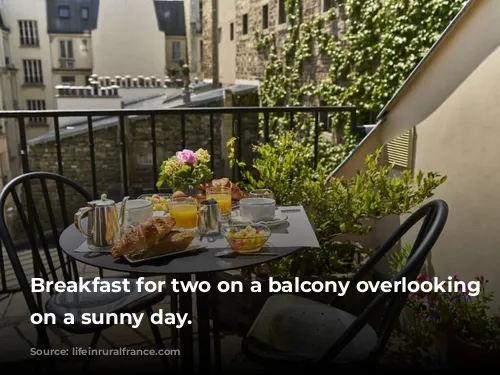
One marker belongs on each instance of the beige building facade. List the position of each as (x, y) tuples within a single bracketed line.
[(452, 103)]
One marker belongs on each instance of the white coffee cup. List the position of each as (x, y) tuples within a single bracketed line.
[(257, 209), (137, 210)]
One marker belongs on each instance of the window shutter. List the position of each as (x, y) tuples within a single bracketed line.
[(400, 150)]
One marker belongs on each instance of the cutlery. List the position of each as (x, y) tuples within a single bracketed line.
[(290, 210), (234, 254)]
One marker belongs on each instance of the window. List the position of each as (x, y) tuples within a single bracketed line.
[(68, 80), (28, 32), (219, 35), (281, 12), (327, 5), (63, 11), (201, 53), (245, 24), (36, 105), (176, 51), (231, 31), (85, 45), (33, 71), (265, 16), (66, 50), (6, 50), (84, 13), (200, 21)]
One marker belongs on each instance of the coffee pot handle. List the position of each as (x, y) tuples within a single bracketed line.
[(78, 220)]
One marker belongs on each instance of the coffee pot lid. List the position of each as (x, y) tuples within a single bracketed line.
[(209, 201), (104, 201)]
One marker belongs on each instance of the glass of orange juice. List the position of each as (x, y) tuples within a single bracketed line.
[(185, 212), (223, 197)]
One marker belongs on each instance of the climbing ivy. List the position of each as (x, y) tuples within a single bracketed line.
[(383, 42)]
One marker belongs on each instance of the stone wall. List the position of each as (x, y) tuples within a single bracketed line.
[(207, 38), (250, 63)]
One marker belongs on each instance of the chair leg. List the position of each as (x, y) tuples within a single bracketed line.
[(158, 340), (93, 345), (44, 353)]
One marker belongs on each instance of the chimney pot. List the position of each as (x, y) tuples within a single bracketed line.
[(88, 90), (134, 82), (118, 80), (153, 81)]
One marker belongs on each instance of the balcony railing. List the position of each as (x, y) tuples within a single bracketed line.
[(162, 132), (66, 63)]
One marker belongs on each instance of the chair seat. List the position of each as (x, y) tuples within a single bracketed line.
[(79, 303), (292, 329)]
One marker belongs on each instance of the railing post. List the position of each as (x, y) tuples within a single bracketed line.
[(226, 132)]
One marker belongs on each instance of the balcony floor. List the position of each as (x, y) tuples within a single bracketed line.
[(18, 335)]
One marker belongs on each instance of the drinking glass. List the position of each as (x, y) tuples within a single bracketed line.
[(185, 212), (261, 193), (224, 199)]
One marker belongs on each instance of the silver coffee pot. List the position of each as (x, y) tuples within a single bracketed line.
[(210, 218), (104, 226)]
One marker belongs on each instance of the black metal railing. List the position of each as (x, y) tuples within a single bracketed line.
[(90, 118)]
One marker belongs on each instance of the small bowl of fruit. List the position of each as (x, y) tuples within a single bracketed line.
[(246, 238), (159, 201)]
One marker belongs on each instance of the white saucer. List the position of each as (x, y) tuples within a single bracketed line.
[(278, 219)]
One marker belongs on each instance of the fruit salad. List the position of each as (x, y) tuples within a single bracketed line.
[(246, 239), (159, 203)]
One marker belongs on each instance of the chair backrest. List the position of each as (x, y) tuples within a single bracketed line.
[(434, 215), (40, 215)]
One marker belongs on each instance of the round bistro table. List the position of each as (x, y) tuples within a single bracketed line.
[(200, 265)]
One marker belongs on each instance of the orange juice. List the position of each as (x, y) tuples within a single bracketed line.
[(224, 201), (185, 215)]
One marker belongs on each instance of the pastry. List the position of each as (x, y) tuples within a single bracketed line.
[(173, 242), (237, 193), (144, 235), (178, 194)]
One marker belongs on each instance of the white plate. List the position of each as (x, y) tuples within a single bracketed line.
[(278, 219), (195, 245)]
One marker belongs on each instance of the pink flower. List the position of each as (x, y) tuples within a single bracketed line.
[(186, 156)]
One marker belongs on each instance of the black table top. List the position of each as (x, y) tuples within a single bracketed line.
[(203, 261)]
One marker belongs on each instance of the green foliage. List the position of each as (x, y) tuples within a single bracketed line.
[(338, 206), (398, 259), (382, 44)]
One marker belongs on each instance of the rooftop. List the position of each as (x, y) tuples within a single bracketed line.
[(173, 99), (170, 15), (81, 19)]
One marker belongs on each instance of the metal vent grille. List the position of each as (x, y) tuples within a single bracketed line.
[(400, 150)]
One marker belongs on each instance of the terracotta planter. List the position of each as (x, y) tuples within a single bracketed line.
[(463, 353), (238, 310)]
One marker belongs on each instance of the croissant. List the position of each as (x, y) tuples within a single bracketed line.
[(173, 242), (145, 235)]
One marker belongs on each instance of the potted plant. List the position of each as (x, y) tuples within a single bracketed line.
[(336, 208), (472, 334), (185, 171)]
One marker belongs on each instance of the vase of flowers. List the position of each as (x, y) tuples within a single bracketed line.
[(185, 171)]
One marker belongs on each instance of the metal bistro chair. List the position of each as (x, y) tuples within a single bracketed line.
[(65, 302), (292, 331)]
